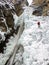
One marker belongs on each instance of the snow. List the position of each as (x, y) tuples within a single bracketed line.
[(9, 46), (30, 1), (33, 48), (35, 40), (13, 41), (15, 20), (8, 51)]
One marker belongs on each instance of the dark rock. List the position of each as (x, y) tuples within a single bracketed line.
[(1, 13), (3, 25), (16, 31), (7, 6), (19, 6), (42, 7), (6, 20), (48, 64), (10, 21), (0, 37), (18, 9)]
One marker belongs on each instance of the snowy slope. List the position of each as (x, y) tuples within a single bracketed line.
[(35, 39)]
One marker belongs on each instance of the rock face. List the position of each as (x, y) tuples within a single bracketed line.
[(42, 7), (6, 24), (9, 18), (7, 21), (38, 2), (46, 8), (19, 4), (6, 16), (2, 20)]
